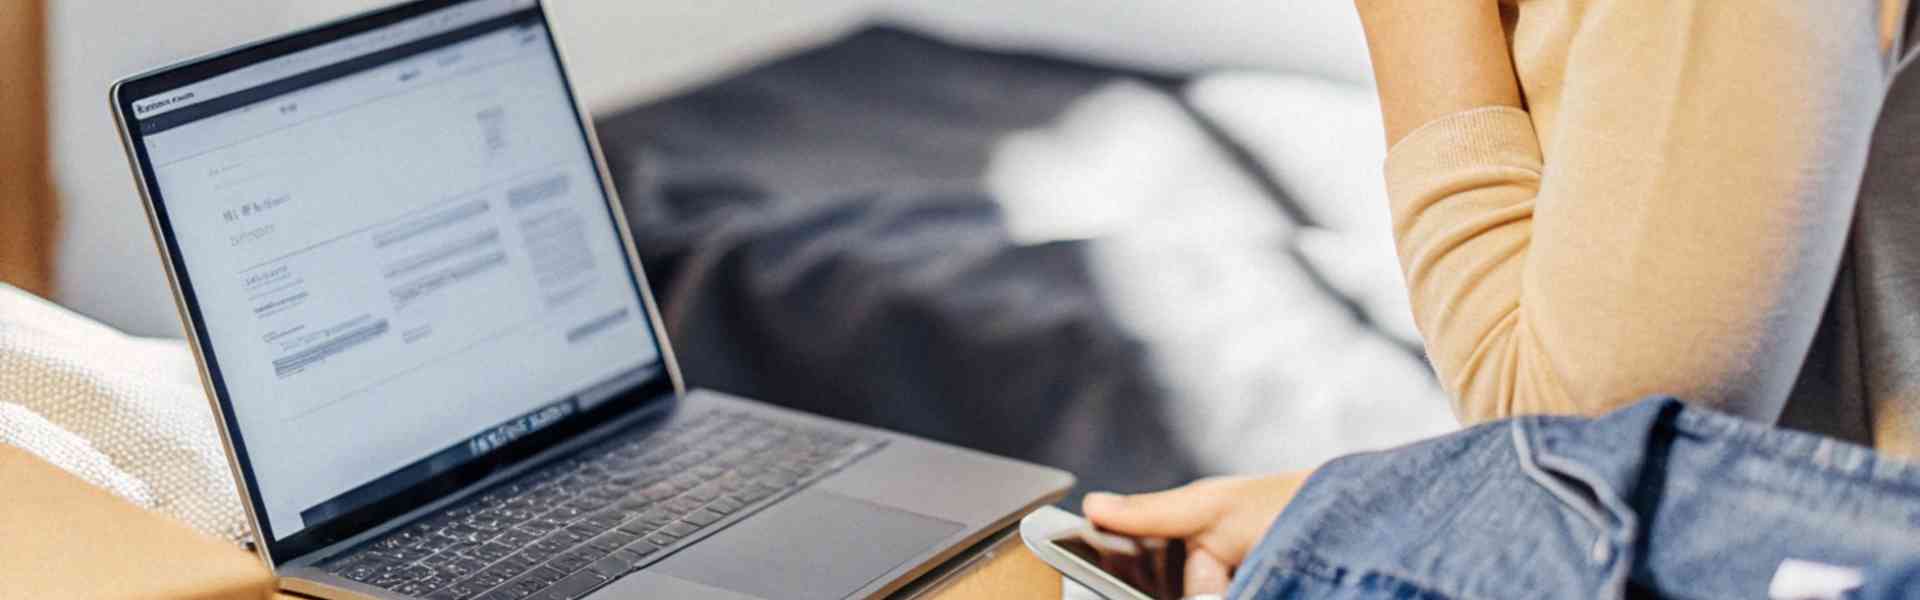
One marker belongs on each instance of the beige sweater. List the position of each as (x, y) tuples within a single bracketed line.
[(1667, 216)]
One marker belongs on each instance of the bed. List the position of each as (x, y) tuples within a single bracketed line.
[(1087, 266)]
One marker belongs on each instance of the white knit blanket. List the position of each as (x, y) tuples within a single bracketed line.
[(127, 414)]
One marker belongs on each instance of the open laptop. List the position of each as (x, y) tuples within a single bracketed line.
[(437, 366)]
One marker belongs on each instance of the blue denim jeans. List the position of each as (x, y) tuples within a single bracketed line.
[(1655, 499)]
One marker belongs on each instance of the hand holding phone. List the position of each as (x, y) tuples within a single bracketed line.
[(1117, 567)]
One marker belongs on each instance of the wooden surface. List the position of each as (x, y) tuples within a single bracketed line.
[(61, 533), (27, 205), (61, 537), (1013, 573)]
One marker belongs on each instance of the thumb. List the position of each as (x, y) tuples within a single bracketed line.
[(1206, 575), (1177, 513)]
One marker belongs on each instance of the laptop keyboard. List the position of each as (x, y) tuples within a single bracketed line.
[(564, 529)]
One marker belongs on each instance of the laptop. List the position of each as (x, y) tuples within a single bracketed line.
[(437, 367)]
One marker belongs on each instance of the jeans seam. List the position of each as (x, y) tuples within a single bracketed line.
[(1762, 442), (1524, 450), (1531, 465)]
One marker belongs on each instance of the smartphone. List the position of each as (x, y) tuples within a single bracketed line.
[(1117, 567)]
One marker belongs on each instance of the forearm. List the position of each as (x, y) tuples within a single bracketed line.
[(1433, 58), (1672, 229)]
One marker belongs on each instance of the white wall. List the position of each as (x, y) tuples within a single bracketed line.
[(621, 51)]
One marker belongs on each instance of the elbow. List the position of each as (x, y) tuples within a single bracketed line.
[(1510, 374), (1518, 381)]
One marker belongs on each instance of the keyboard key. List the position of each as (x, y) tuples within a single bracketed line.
[(608, 493), (560, 540), (389, 579), (585, 530), (613, 565), (491, 551), (569, 536), (463, 567), (465, 533), (659, 492), (414, 588), (684, 482), (488, 578), (513, 566), (404, 554), (587, 503), (725, 506), (681, 506), (657, 517), (410, 573), (362, 572), (488, 523), (526, 587), (590, 552), (612, 540), (636, 528), (574, 586), (605, 520), (517, 537), (749, 494), (543, 574), (704, 493), (454, 547), (572, 561), (639, 549), (467, 589), (662, 539), (432, 583), (537, 555), (680, 530), (396, 540), (701, 518)]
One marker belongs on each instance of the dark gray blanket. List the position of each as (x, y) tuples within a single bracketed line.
[(819, 237)]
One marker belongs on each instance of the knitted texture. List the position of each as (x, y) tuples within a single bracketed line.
[(127, 414)]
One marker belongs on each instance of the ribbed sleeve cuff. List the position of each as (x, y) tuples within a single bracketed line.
[(1472, 140)]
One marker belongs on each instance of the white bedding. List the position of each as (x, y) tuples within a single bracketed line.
[(121, 412), (1267, 369)]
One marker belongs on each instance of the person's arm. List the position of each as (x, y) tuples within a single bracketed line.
[(1677, 235), (1433, 58)]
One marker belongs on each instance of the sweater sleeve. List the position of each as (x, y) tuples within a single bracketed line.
[(1677, 233)]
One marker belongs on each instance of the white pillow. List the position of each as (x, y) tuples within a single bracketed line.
[(1315, 37)]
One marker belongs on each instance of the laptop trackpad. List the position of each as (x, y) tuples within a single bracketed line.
[(816, 544)]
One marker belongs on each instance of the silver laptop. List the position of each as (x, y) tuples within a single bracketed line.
[(437, 366)]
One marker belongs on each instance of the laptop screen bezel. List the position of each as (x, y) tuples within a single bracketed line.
[(660, 388)]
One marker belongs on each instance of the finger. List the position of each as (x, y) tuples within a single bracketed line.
[(1176, 513), (1205, 574)]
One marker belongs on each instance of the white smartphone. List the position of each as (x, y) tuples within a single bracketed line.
[(1117, 567)]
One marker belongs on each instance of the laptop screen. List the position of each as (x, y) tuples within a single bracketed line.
[(399, 251)]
